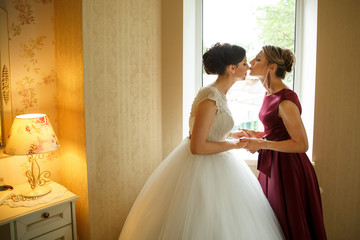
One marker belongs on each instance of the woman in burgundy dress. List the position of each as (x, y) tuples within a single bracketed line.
[(286, 173)]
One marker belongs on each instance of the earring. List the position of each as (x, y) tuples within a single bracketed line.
[(268, 80)]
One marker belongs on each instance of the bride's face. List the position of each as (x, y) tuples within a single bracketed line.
[(242, 69), (259, 66)]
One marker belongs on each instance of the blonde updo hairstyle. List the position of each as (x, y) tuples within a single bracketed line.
[(282, 57)]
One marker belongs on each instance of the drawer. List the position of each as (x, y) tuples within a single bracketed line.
[(43, 221), (64, 233)]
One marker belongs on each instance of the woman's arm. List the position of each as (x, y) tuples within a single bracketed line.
[(297, 143), (205, 114)]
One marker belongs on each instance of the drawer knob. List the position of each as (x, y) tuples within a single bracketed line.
[(46, 215)]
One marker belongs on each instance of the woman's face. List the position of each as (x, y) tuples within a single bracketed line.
[(259, 66), (242, 69)]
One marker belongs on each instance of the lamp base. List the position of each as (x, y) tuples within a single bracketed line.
[(38, 191)]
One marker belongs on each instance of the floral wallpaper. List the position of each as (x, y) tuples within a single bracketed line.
[(25, 14), (32, 56), (32, 67)]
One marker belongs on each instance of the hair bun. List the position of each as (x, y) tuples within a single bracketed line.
[(289, 59), (212, 59), (284, 59), (219, 56)]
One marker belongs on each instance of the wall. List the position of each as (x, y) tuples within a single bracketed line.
[(124, 51), (50, 80), (122, 83), (70, 106), (337, 116), (33, 78), (171, 73)]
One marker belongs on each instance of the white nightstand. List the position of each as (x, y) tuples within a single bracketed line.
[(47, 221)]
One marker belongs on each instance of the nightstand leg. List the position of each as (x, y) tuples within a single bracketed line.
[(74, 220), (12, 230)]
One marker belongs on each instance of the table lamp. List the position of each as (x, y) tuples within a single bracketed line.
[(32, 135)]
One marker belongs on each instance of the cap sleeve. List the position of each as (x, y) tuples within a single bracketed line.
[(210, 93), (291, 96)]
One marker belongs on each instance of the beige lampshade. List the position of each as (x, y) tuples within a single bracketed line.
[(31, 134)]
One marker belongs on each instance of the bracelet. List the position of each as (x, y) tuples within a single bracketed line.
[(265, 140), (229, 135)]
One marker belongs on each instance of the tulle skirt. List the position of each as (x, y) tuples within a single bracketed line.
[(201, 197)]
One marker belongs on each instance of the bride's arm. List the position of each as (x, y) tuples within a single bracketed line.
[(204, 118)]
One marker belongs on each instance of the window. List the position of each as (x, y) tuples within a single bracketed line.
[(251, 24)]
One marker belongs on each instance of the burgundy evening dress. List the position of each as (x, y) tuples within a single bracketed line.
[(288, 179)]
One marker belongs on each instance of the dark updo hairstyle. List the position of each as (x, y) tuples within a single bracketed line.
[(219, 56), (282, 57)]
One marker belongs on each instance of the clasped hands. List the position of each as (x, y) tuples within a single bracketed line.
[(254, 142)]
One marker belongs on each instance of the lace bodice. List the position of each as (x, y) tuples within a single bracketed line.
[(223, 121)]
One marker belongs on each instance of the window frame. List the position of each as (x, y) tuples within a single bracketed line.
[(305, 65)]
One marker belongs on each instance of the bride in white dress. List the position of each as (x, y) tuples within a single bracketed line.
[(203, 190)]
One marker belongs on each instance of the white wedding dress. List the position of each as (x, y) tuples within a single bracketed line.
[(202, 197)]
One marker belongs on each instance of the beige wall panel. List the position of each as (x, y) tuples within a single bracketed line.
[(122, 82), (70, 102), (337, 116), (171, 71)]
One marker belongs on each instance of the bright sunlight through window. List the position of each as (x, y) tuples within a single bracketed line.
[(250, 24)]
